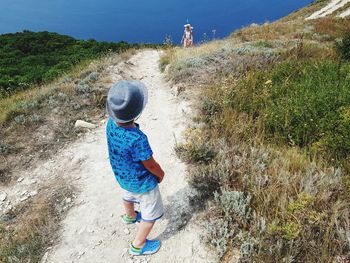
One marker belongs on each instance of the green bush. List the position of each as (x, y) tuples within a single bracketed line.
[(200, 153), (343, 47), (31, 119), (219, 232), (304, 103), (235, 205), (4, 148), (210, 108), (30, 58), (164, 62), (206, 179)]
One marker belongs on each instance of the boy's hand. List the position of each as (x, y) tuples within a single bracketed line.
[(160, 179), (152, 166)]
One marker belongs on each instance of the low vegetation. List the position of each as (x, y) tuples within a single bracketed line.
[(29, 59), (29, 229), (36, 122), (269, 149), (303, 103), (343, 47)]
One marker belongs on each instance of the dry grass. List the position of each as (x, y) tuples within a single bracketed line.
[(299, 204), (29, 229), (294, 25), (277, 30), (306, 11), (177, 54), (65, 83), (334, 28), (213, 61), (216, 61), (35, 122), (289, 204)]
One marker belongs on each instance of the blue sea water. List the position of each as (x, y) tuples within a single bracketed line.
[(146, 21)]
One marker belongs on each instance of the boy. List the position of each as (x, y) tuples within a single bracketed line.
[(133, 164)]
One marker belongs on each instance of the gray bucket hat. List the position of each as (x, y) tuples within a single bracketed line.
[(126, 100)]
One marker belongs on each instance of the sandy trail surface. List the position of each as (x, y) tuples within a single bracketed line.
[(329, 9), (344, 14), (92, 230)]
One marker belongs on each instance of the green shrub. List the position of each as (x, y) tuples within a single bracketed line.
[(300, 103), (288, 231), (30, 58), (193, 152), (247, 247), (20, 119), (4, 148), (83, 88), (263, 44), (343, 47), (30, 119), (163, 62), (235, 205), (206, 179), (210, 108), (35, 119), (28, 105), (93, 77), (219, 232)]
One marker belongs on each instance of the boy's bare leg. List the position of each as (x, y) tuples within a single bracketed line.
[(129, 209), (142, 233)]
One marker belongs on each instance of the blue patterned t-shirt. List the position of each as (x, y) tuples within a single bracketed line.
[(127, 148)]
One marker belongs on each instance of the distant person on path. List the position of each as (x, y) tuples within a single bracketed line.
[(132, 162), (187, 38)]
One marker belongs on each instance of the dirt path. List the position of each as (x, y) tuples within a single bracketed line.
[(92, 231), (345, 13), (329, 9)]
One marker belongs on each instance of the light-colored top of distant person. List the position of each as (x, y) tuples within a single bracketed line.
[(187, 38)]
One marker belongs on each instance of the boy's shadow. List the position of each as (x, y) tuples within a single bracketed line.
[(180, 209)]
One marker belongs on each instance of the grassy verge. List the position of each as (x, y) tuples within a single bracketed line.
[(37, 121), (29, 229), (275, 202), (303, 103), (9, 104), (269, 152)]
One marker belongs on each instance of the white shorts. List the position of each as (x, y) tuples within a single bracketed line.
[(151, 204)]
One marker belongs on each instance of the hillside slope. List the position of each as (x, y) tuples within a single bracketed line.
[(271, 137), (34, 58)]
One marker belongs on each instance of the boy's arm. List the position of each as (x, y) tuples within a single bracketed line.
[(152, 166)]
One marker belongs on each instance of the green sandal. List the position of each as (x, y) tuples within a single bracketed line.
[(131, 220)]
